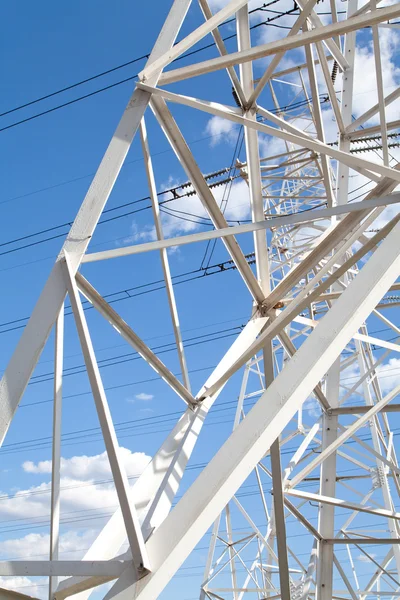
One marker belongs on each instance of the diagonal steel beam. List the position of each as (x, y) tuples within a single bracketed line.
[(316, 35), (132, 338), (183, 153), (44, 315), (173, 541)]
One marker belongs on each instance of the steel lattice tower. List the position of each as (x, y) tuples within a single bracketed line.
[(312, 429)]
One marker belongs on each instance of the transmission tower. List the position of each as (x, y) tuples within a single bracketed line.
[(308, 480)]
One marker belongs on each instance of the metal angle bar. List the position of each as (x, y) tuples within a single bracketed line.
[(219, 42), (210, 556), (329, 84), (343, 503), (331, 44), (300, 451), (190, 40), (290, 348), (301, 518), (316, 35), (345, 578), (354, 514), (296, 69), (348, 433), (371, 540), (299, 137), (132, 525), (317, 114), (384, 571), (359, 410), (164, 255), (326, 514), (374, 452), (367, 131), (253, 156), (36, 568), (372, 111), (345, 266), (279, 510), (171, 543), (44, 315), (155, 489), (365, 7), (56, 446), (377, 574), (132, 338), (269, 72), (357, 336), (379, 83), (184, 155), (291, 312), (296, 218), (233, 552), (310, 571)]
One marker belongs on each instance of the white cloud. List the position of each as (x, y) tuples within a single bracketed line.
[(144, 396), (389, 375), (79, 491), (365, 88), (236, 209), (79, 499), (222, 130), (36, 588), (91, 467), (312, 407), (36, 545), (143, 234), (363, 558), (216, 5)]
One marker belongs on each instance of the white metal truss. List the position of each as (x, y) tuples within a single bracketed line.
[(312, 431)]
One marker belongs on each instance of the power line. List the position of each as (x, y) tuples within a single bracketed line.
[(172, 190), (131, 356), (263, 8), (140, 290), (117, 83)]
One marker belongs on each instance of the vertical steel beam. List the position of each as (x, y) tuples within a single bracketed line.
[(342, 188), (326, 513), (132, 525), (319, 126), (253, 154), (163, 254), (56, 449)]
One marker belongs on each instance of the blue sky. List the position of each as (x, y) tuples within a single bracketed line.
[(48, 164)]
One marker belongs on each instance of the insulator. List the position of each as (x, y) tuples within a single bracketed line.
[(334, 71), (217, 173), (236, 98)]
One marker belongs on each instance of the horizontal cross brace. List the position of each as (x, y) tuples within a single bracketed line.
[(361, 541), (42, 568), (309, 216), (283, 45), (359, 410)]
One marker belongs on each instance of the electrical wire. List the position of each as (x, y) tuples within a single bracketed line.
[(117, 83), (132, 356), (140, 290), (175, 196), (227, 190), (112, 70)]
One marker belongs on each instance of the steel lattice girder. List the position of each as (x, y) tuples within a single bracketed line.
[(307, 274)]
